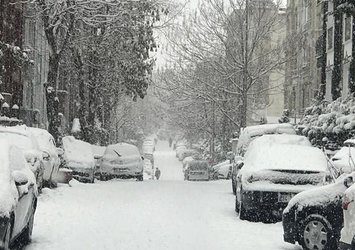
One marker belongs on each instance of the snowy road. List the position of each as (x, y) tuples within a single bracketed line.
[(166, 214)]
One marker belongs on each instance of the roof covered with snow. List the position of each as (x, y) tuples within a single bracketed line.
[(77, 153)]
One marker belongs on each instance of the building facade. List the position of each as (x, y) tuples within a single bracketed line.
[(302, 69), (24, 86)]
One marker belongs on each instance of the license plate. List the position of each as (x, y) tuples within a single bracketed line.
[(285, 197), (119, 170)]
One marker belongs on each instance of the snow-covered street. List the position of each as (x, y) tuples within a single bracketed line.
[(165, 214)]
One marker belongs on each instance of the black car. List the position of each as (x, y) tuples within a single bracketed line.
[(314, 217), (18, 198)]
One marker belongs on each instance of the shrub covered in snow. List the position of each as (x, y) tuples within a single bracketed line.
[(329, 123)]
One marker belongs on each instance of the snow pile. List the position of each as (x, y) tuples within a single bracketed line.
[(77, 153), (334, 120)]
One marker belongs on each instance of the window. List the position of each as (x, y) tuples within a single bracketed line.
[(347, 28), (330, 38)]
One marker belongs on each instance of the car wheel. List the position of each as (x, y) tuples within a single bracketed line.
[(140, 178), (316, 233), (7, 238), (28, 231)]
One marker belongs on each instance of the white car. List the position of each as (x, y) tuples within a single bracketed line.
[(121, 160), (51, 160), (21, 137), (78, 157), (344, 159), (222, 170), (18, 197), (273, 173)]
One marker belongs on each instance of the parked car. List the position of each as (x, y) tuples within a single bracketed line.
[(21, 137), (121, 160), (347, 234), (222, 170), (197, 170), (247, 135), (148, 146), (186, 153), (314, 218), (268, 179), (321, 207), (180, 146), (51, 160), (18, 196), (79, 158)]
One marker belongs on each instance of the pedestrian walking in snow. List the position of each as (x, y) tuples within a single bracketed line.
[(157, 173), (170, 142)]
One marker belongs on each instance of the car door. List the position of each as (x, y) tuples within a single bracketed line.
[(23, 209)]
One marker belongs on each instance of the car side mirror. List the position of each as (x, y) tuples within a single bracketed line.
[(20, 178), (46, 156), (60, 151)]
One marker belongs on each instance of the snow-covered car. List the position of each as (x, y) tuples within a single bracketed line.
[(51, 160), (347, 234), (18, 196), (185, 162), (314, 218), (344, 159), (197, 170), (222, 170), (78, 157), (21, 137), (122, 160), (247, 135), (185, 153), (180, 146), (273, 173)]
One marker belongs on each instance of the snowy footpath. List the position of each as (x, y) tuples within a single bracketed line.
[(165, 214)]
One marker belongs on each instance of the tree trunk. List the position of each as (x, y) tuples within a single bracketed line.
[(338, 52), (51, 97)]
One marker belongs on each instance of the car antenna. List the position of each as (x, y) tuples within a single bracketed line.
[(117, 153)]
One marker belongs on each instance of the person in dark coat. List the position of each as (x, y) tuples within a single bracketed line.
[(170, 142), (157, 173)]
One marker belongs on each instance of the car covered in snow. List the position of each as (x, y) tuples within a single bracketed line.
[(197, 170), (78, 157), (51, 160), (222, 170), (180, 146), (344, 159), (122, 160), (18, 196), (276, 167), (247, 135), (314, 218), (21, 137), (186, 153)]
